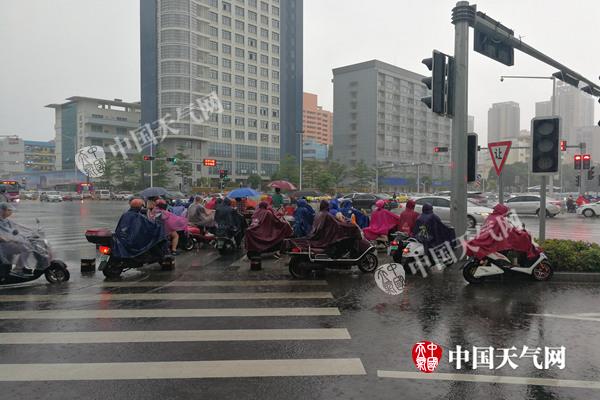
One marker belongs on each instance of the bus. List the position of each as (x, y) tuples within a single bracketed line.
[(12, 190), (86, 190)]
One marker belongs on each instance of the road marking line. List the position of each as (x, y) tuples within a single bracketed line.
[(213, 335), (167, 296), (181, 369), (515, 380), (579, 317), (212, 283), (173, 313)]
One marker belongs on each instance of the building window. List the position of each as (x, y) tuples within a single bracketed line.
[(226, 63), (239, 25), (264, 32), (212, 31), (264, 138), (214, 132), (251, 15), (252, 69), (226, 49), (244, 168), (226, 91), (264, 46), (226, 134), (264, 72), (275, 74), (251, 109), (264, 7), (239, 11), (239, 121), (239, 66), (213, 16), (240, 135), (252, 136), (275, 139), (226, 105), (264, 125), (275, 113), (252, 29), (264, 111), (252, 123), (239, 80), (252, 3), (96, 128), (264, 20), (226, 6), (226, 20), (275, 61), (239, 52), (239, 93), (264, 85), (275, 36), (239, 39), (220, 149), (252, 96), (226, 35), (275, 23), (275, 10), (268, 153), (239, 107), (252, 55), (225, 77), (245, 151), (226, 119), (275, 101), (252, 82), (275, 49), (264, 99)]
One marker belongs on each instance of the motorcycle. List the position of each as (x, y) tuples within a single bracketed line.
[(341, 255), (475, 270), (112, 266), (199, 236), (55, 271), (397, 246), (225, 239)]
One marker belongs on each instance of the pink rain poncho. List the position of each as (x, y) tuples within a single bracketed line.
[(172, 222), (382, 222)]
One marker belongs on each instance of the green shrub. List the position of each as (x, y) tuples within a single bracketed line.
[(573, 256)]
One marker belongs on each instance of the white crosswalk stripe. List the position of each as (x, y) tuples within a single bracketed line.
[(264, 325)]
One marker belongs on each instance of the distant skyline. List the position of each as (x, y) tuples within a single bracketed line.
[(91, 48)]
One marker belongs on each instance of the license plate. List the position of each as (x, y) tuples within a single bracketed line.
[(393, 248), (102, 261)]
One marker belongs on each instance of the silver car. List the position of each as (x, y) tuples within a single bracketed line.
[(530, 205), (476, 214)]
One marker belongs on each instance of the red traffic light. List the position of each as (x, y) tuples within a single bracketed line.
[(148, 158), (563, 145), (587, 160), (436, 149), (577, 157), (587, 157), (209, 162), (577, 161)]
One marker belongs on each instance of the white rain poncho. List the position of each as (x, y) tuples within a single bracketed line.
[(22, 246)]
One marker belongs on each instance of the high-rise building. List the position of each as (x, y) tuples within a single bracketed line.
[(317, 123), (576, 110), (313, 150), (87, 121), (39, 156), (247, 52), (11, 156), (504, 121), (378, 118)]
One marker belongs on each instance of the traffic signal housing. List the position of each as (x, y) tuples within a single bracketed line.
[(577, 161), (578, 181), (439, 149), (436, 82), (591, 173), (545, 145), (586, 161), (563, 145), (472, 150), (149, 158), (173, 160)]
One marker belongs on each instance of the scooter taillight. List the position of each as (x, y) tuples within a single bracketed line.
[(104, 249), (394, 243), (296, 250), (405, 250)]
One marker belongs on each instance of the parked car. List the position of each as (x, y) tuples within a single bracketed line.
[(70, 196), (366, 201), (476, 214), (589, 210), (103, 194), (530, 205), (51, 196), (29, 195), (123, 196)]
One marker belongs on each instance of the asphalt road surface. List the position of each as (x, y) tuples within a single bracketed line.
[(213, 329)]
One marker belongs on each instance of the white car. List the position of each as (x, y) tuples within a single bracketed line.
[(530, 205), (123, 196), (476, 214), (103, 195), (51, 196), (589, 210)]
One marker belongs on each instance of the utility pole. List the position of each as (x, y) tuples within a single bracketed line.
[(301, 133), (462, 15), (542, 212)]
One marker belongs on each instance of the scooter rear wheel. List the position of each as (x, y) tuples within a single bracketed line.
[(297, 267), (190, 244), (469, 273), (57, 272), (369, 263), (542, 272)]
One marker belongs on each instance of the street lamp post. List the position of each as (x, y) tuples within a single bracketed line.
[(301, 134)]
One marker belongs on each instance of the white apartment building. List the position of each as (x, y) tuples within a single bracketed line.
[(86, 121), (12, 155)]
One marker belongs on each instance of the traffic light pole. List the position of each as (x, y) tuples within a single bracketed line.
[(542, 212), (462, 14)]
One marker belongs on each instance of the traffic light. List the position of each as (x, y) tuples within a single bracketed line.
[(149, 158), (436, 83), (173, 160), (545, 145), (587, 160), (438, 149), (577, 161), (221, 173), (577, 181), (471, 157), (591, 173), (563, 145)]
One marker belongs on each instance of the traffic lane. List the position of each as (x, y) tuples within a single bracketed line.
[(566, 226)]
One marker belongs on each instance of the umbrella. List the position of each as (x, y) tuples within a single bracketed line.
[(153, 192), (242, 192), (284, 185)]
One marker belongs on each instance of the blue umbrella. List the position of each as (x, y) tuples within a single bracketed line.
[(153, 192), (242, 192)]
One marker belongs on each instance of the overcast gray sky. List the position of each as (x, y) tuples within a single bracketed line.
[(53, 49)]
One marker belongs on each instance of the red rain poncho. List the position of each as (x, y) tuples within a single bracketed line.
[(267, 230), (498, 234), (408, 218), (382, 222)]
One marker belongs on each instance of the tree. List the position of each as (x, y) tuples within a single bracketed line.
[(310, 168), (338, 171), (288, 170), (324, 181), (254, 181), (182, 168), (363, 175)]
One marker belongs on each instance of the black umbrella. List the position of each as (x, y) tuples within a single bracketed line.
[(153, 192)]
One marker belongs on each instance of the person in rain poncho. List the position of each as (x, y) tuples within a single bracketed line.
[(334, 210), (135, 234), (303, 218), (267, 231), (430, 230), (348, 211), (408, 218), (14, 247), (178, 208), (382, 222), (172, 224)]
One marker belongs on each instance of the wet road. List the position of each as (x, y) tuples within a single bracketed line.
[(232, 333)]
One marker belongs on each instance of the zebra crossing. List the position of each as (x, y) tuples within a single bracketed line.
[(264, 317)]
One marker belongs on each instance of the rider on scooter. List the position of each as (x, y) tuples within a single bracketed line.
[(135, 234), (227, 216), (14, 247), (430, 230)]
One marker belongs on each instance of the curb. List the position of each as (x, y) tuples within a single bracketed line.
[(587, 277)]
